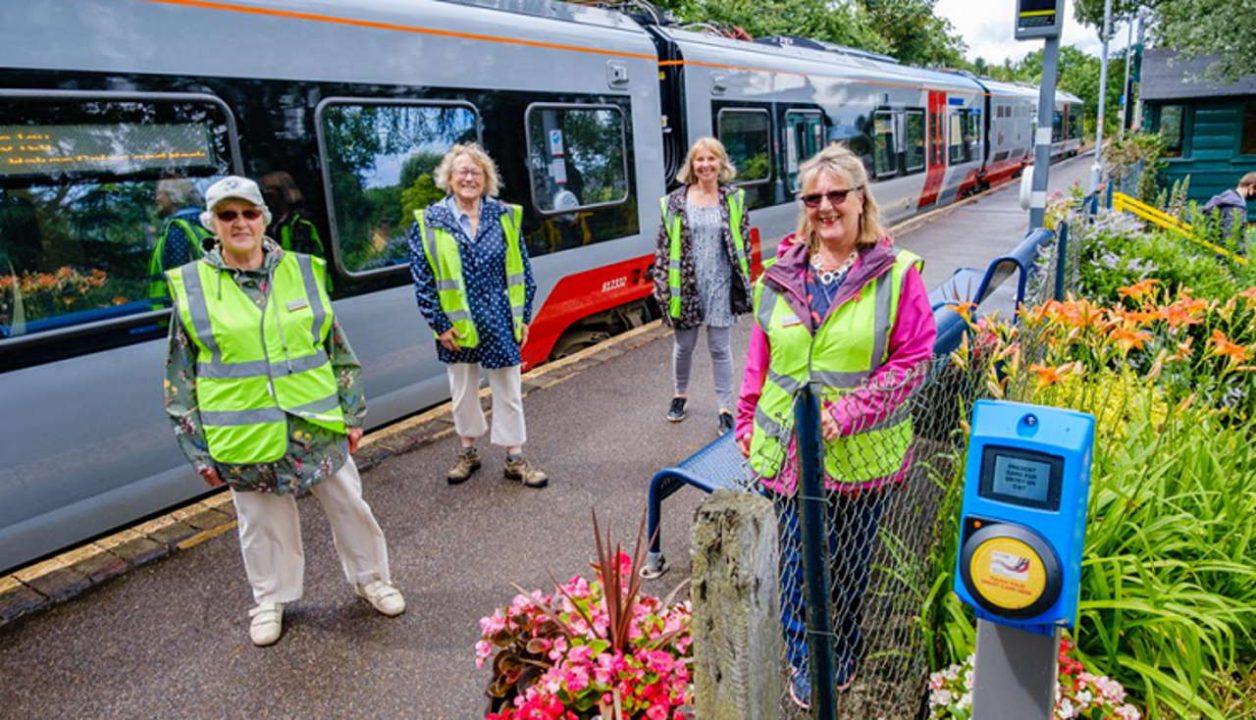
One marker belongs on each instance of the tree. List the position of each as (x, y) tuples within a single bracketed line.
[(916, 35), (1078, 74), (837, 21), (1195, 28)]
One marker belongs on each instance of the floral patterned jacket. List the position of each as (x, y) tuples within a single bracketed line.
[(690, 304), (314, 452)]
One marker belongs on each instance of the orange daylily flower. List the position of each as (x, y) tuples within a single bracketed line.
[(1138, 290), (1223, 346), (1184, 350), (1185, 311), (1127, 338), (1050, 375), (1135, 317), (964, 309), (1249, 293)]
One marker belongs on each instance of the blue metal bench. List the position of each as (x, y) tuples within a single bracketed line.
[(717, 466)]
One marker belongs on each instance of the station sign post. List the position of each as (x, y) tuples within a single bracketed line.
[(1022, 528), (1041, 19)]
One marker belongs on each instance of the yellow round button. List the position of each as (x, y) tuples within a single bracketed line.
[(1007, 573)]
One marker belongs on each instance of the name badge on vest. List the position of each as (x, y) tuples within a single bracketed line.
[(790, 320), (298, 304)]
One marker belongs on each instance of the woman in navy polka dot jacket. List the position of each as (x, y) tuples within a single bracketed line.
[(471, 222)]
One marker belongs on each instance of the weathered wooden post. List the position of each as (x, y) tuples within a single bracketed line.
[(736, 608)]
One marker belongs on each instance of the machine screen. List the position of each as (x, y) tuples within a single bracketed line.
[(1021, 477)]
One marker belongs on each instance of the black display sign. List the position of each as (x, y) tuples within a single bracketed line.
[(1021, 477), (114, 149), (1039, 18)]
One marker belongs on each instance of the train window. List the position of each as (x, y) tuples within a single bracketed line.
[(1170, 125), (972, 131), (99, 195), (804, 136), (747, 136), (380, 160), (576, 156), (1247, 141), (885, 154), (914, 132), (961, 142)]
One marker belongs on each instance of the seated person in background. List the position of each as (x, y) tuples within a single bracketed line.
[(1231, 205)]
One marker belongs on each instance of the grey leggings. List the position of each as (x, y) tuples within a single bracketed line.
[(718, 341)]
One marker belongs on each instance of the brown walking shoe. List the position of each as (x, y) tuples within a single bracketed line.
[(519, 470), (468, 463)]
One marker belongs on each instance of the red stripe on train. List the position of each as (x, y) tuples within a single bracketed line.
[(937, 150), (578, 296)]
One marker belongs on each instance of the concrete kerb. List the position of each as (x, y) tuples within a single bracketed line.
[(69, 574)]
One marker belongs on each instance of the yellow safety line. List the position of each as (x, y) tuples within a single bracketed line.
[(1123, 202)]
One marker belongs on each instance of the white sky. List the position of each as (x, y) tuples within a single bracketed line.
[(986, 26)]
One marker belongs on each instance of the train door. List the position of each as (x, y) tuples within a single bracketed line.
[(936, 170), (804, 137)]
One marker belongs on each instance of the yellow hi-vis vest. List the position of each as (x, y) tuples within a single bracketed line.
[(736, 208), (852, 342), (195, 235), (441, 249), (254, 366)]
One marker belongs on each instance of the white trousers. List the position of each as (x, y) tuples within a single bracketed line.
[(506, 385), (270, 537)]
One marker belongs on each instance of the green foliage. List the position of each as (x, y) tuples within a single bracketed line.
[(1139, 154), (1079, 74), (1192, 27)]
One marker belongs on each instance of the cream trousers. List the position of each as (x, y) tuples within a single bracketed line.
[(270, 537), (506, 385)]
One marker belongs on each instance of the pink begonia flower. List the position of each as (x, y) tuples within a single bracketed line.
[(483, 651), (493, 624)]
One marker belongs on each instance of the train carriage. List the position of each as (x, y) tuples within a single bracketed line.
[(114, 113), (1010, 130)]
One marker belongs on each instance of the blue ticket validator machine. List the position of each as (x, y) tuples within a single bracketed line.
[(1021, 532)]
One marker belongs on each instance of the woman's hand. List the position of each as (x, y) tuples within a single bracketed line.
[(210, 476), (355, 438), (743, 445), (446, 339), (829, 428), (523, 336)]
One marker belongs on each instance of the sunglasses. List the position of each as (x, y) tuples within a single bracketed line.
[(231, 215), (836, 197)]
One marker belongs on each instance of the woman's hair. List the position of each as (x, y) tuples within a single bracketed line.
[(716, 148), (445, 171), (838, 160)]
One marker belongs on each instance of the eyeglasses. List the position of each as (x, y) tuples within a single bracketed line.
[(469, 172), (231, 215), (836, 197)]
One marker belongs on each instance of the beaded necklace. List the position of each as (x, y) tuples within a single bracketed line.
[(828, 277)]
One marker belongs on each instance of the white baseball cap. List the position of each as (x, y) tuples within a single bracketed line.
[(232, 186)]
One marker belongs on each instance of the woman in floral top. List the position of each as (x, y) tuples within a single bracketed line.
[(313, 454)]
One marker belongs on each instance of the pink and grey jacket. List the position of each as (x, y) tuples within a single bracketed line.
[(911, 343)]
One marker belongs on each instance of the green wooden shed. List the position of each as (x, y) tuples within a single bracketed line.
[(1208, 127)]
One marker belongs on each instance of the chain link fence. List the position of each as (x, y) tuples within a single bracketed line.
[(890, 527)]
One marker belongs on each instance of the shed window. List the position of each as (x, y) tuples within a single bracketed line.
[(1171, 129), (1247, 144)]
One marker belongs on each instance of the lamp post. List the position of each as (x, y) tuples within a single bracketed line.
[(1096, 170)]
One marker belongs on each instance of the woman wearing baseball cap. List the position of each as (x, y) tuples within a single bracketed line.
[(265, 395)]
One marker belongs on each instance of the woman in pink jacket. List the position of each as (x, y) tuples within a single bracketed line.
[(845, 311)]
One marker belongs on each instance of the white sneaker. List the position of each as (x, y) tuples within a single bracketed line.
[(383, 597), (267, 624)]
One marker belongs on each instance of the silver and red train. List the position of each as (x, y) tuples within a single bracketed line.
[(113, 112)]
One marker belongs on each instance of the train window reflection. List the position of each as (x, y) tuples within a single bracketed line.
[(380, 160), (885, 158), (576, 157), (914, 131), (98, 198), (747, 136), (804, 136)]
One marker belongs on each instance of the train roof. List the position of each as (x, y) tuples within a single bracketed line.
[(717, 51), (332, 40), (1006, 89), (1068, 97)]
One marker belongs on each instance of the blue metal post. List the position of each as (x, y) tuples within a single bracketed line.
[(1061, 258), (812, 518)]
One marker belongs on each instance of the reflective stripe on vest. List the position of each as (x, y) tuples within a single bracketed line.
[(257, 366), (672, 226), (441, 250), (849, 346), (156, 271)]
